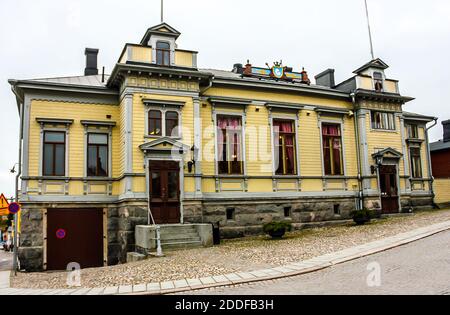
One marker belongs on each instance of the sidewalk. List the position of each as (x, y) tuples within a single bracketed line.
[(290, 270)]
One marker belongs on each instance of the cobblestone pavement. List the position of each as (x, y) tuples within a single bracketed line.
[(240, 255), (420, 268)]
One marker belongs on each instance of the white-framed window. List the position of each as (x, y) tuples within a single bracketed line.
[(230, 159), (383, 120), (284, 146), (332, 147), (413, 131), (98, 147), (378, 81), (162, 53), (416, 162), (163, 122), (54, 147), (54, 153)]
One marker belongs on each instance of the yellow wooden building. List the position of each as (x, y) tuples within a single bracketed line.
[(234, 148)]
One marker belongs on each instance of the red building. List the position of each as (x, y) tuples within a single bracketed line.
[(440, 160)]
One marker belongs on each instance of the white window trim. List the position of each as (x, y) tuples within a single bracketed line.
[(41, 151), (344, 162), (383, 78), (159, 38), (163, 109), (395, 130), (297, 157), (411, 162), (243, 142), (87, 131)]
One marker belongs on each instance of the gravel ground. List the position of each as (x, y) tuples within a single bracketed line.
[(245, 254)]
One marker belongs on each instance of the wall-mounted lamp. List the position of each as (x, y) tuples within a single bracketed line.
[(191, 163), (13, 170), (379, 163)]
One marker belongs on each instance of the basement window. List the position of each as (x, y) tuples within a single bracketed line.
[(231, 214), (337, 209), (287, 212)]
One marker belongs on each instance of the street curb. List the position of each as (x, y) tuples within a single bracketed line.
[(286, 271)]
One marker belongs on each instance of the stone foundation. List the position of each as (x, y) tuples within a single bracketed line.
[(247, 218), (250, 215), (31, 241), (121, 226)]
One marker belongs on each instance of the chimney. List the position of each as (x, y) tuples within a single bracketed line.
[(326, 78), (91, 61), (238, 68), (446, 125)]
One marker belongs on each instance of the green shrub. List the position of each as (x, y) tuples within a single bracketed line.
[(363, 216), (276, 226), (360, 214)]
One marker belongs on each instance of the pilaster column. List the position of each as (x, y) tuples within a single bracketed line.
[(364, 147), (405, 154), (198, 146), (128, 113)]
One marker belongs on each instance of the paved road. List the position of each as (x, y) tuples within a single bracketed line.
[(5, 260), (422, 267)]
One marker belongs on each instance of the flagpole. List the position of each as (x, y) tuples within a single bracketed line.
[(370, 31), (162, 11)]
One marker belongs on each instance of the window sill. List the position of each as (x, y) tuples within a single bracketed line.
[(47, 177), (384, 130), (97, 178), (416, 140)]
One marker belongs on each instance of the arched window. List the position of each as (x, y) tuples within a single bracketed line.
[(378, 81), (154, 123), (163, 54), (171, 124)]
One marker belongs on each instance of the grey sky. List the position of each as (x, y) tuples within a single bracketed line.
[(45, 38)]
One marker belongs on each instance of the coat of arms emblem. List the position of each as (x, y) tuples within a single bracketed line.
[(278, 70)]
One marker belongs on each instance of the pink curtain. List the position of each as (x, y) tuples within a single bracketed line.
[(289, 140), (229, 131), (280, 128), (337, 155), (285, 126), (331, 130)]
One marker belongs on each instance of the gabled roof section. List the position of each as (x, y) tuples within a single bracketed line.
[(163, 29), (89, 80), (388, 153), (166, 144), (376, 63), (418, 117), (439, 146)]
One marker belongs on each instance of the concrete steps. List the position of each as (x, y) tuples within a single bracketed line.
[(180, 237), (173, 236)]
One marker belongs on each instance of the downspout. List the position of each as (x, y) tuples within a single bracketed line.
[(210, 83), (358, 154), (430, 169), (19, 174)]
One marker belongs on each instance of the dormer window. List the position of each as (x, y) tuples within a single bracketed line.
[(163, 54), (378, 81)]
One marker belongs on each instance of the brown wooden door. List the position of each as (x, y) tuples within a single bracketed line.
[(389, 189), (165, 191), (74, 235)]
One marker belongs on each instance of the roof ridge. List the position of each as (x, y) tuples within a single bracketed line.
[(66, 77)]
